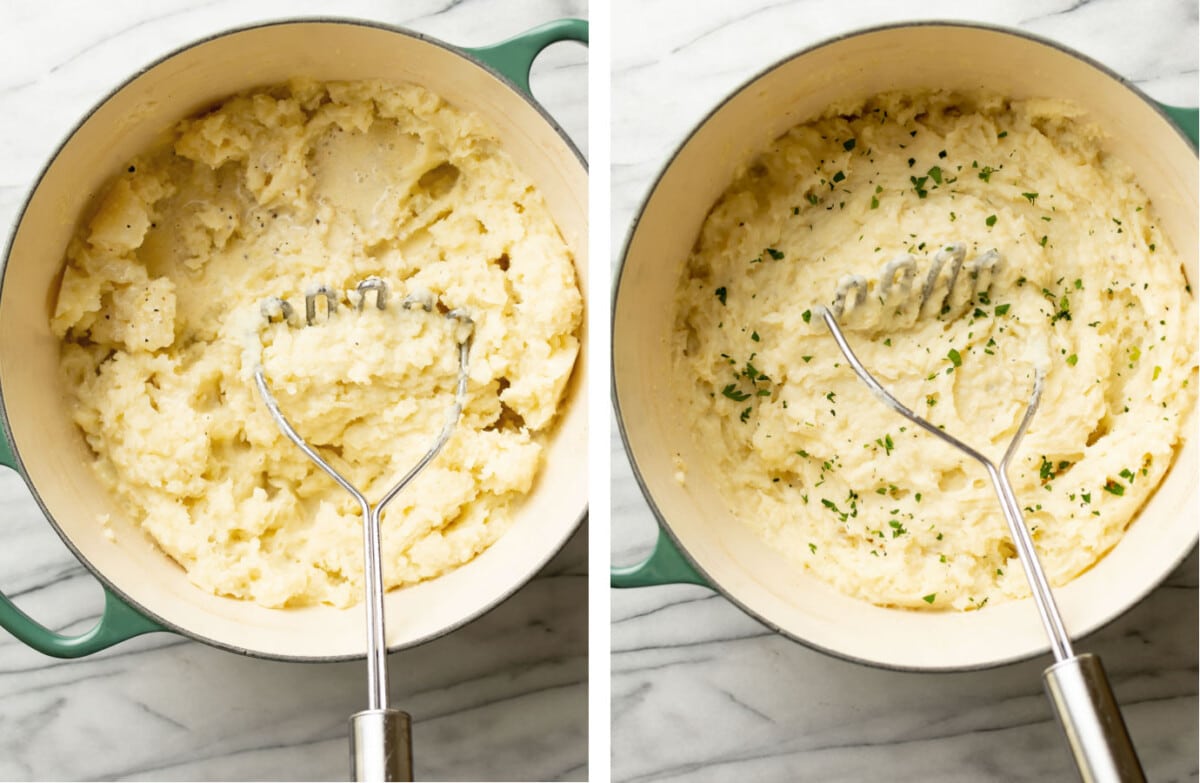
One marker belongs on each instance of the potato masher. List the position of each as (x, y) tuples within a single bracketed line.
[(1077, 686), (380, 737)]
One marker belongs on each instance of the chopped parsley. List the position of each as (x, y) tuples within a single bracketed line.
[(1031, 196), (734, 393), (807, 316), (839, 176), (1002, 309), (1114, 487), (955, 357), (929, 599), (991, 220), (848, 144), (985, 173), (721, 294)]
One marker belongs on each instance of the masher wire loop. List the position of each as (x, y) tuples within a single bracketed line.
[(1056, 631)]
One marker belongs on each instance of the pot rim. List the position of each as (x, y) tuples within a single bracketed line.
[(664, 525), (19, 464)]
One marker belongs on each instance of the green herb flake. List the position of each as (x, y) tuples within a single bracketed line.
[(1114, 487), (754, 336), (839, 176), (806, 359), (985, 173), (774, 254), (807, 316), (1043, 240), (1032, 197), (874, 202), (955, 357), (721, 293), (734, 393), (1001, 134), (1002, 309), (929, 599), (848, 144), (1157, 372), (812, 199), (812, 547), (942, 154), (991, 221), (935, 174), (1072, 359)]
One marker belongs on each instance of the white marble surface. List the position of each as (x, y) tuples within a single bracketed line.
[(503, 698), (701, 692)]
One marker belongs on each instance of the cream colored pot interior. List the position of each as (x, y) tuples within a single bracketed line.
[(53, 452), (733, 558)]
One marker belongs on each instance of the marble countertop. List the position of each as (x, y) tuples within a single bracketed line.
[(503, 698), (702, 692)]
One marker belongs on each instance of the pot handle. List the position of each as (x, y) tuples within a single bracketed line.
[(1187, 118), (666, 565), (119, 622), (514, 57)]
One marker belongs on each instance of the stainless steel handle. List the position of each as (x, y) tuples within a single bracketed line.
[(1087, 711), (381, 745)]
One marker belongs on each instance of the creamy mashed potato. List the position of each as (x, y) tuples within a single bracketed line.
[(268, 195), (1089, 288)]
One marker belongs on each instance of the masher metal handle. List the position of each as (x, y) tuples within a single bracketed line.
[(1076, 685)]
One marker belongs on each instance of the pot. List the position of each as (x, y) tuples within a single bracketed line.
[(145, 590), (700, 542)]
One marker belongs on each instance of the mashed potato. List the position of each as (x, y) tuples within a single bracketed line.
[(1089, 287), (268, 195)]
